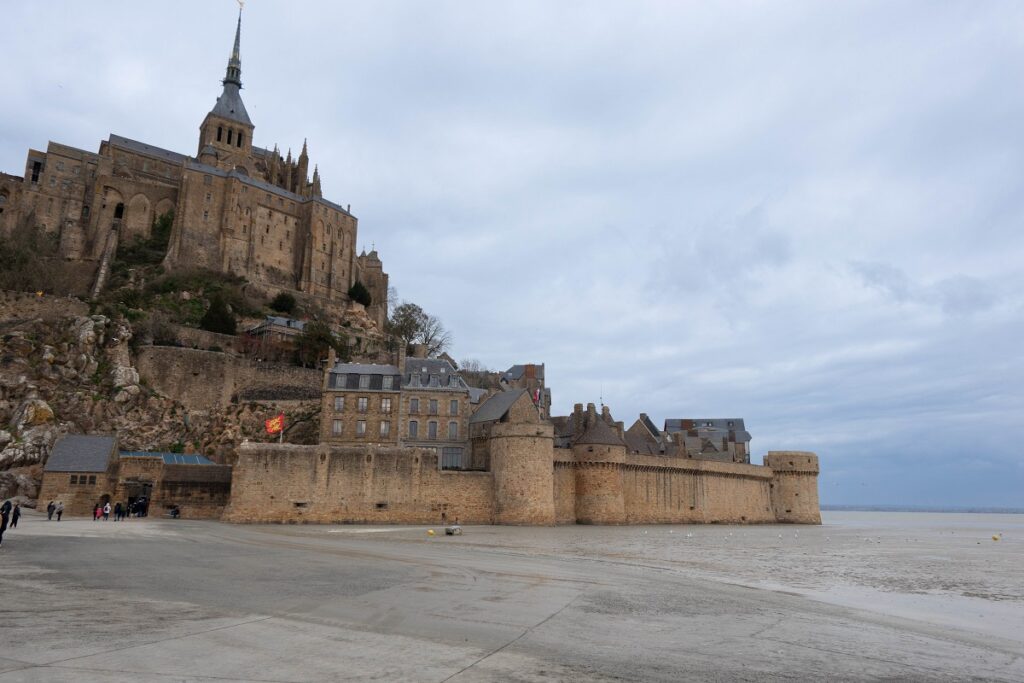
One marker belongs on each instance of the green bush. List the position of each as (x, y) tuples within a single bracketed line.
[(283, 303), (218, 317), (360, 294)]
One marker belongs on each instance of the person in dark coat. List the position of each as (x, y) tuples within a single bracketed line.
[(59, 509), (5, 516), (15, 515), (117, 511), (50, 507)]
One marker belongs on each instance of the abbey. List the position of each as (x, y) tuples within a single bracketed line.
[(239, 209)]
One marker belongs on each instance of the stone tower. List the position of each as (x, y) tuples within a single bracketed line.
[(794, 487), (522, 460), (225, 136), (599, 454)]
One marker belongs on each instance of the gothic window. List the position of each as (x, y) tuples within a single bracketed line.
[(239, 138), (220, 133), (230, 133)]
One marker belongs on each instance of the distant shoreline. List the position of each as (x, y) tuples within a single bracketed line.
[(921, 508)]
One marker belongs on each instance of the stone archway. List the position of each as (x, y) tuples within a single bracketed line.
[(138, 219)]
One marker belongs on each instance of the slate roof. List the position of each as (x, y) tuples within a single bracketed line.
[(710, 427), (170, 458), (150, 150), (346, 376), (280, 321), (229, 105), (81, 453), (494, 408), (517, 371), (600, 433), (432, 373), (475, 395)]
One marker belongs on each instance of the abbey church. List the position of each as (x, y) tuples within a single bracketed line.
[(238, 209)]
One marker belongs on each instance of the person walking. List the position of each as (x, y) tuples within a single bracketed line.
[(15, 515), (106, 511), (96, 512), (117, 511), (5, 515), (50, 507), (59, 509)]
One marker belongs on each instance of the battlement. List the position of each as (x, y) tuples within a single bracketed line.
[(803, 462)]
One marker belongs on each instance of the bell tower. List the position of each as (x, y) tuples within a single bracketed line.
[(225, 137)]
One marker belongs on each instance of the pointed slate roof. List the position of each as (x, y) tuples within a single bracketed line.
[(496, 406), (229, 104), (600, 433), (81, 453)]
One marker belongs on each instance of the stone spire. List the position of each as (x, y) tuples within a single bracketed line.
[(234, 71), (272, 167), (316, 182), (229, 104), (303, 170)]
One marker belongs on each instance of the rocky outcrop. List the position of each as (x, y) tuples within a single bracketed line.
[(76, 374)]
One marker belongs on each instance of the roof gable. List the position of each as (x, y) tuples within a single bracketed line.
[(81, 453)]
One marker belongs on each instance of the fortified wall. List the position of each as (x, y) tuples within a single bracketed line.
[(598, 484)]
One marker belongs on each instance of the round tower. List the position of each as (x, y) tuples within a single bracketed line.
[(599, 454), (522, 462), (794, 487)]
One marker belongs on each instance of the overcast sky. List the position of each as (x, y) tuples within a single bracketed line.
[(808, 215)]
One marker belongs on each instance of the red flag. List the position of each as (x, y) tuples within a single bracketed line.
[(275, 424)]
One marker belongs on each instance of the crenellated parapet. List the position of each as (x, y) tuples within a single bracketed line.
[(794, 487)]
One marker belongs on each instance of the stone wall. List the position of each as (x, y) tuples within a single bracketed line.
[(794, 491), (522, 462), (340, 484), (203, 380), (28, 306), (564, 492), (79, 499)]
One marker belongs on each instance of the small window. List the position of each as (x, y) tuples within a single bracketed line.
[(206, 215), (453, 431), (453, 407), (53, 181), (361, 428), (362, 404), (414, 406), (414, 429), (230, 134), (433, 406), (74, 478), (432, 430), (37, 168), (220, 133), (60, 165), (209, 196), (387, 382), (336, 426), (385, 405), (85, 212), (239, 138), (339, 403), (92, 478), (364, 381), (385, 427), (207, 180)]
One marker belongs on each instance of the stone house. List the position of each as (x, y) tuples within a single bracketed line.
[(361, 404), (78, 472), (436, 407), (86, 470), (722, 439)]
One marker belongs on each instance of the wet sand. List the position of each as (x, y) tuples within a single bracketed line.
[(866, 596)]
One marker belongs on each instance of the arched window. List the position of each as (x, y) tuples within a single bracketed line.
[(230, 133), (220, 133), (240, 138)]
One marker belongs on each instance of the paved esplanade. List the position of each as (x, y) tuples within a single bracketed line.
[(156, 600)]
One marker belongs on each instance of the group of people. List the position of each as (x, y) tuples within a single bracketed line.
[(136, 508), (8, 515), (55, 509)]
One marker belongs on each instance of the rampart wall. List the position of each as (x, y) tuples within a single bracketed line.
[(208, 379)]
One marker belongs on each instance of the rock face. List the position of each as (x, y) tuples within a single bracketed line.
[(76, 375)]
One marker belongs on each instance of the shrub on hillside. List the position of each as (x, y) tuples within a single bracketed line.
[(360, 294), (283, 303), (218, 317)]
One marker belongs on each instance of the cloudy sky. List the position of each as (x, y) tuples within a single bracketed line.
[(808, 215)]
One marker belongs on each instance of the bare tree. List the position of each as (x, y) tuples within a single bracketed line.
[(413, 325)]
